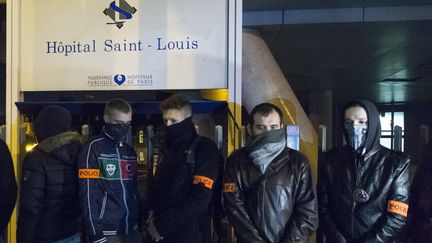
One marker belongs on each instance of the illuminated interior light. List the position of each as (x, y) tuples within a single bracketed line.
[(30, 146)]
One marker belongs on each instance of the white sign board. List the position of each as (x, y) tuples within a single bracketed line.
[(124, 44)]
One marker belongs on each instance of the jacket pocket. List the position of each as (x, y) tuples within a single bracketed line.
[(103, 206), (279, 205)]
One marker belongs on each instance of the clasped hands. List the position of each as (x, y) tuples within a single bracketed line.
[(150, 228)]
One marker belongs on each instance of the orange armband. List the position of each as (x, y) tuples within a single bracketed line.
[(89, 173), (398, 208), (229, 187), (205, 181)]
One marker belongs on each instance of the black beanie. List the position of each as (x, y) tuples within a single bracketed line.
[(52, 120)]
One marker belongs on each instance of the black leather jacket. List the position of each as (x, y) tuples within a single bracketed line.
[(420, 213), (283, 208), (363, 194), (383, 174)]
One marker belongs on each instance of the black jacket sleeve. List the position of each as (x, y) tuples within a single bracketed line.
[(31, 198), (234, 205), (327, 225), (197, 201), (8, 186), (305, 214), (392, 224), (421, 200), (90, 192)]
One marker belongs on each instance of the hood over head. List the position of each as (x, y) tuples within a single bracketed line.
[(373, 134)]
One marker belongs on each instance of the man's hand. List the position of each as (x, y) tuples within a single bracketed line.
[(154, 234), (149, 217), (151, 228)]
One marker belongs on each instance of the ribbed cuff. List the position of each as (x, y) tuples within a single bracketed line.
[(100, 240)]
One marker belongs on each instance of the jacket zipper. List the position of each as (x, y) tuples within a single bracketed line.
[(124, 192), (352, 194), (103, 206), (357, 161), (262, 202)]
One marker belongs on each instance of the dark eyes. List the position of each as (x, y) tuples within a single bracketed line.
[(360, 122), (170, 120), (264, 127)]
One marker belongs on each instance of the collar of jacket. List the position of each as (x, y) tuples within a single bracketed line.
[(181, 134), (279, 161), (55, 142), (371, 152), (366, 156), (111, 139)]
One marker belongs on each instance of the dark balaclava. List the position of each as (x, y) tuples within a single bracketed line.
[(174, 131), (118, 132), (52, 120), (363, 137)]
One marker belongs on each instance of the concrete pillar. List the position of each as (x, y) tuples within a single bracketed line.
[(321, 112), (263, 81)]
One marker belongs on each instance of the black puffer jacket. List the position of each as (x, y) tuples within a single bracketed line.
[(363, 196), (182, 193), (282, 208), (49, 208), (8, 186)]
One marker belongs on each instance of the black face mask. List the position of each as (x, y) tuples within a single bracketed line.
[(177, 130), (355, 135), (118, 132)]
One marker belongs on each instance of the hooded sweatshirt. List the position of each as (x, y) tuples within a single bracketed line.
[(363, 194), (373, 134)]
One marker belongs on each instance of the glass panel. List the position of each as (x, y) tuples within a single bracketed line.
[(386, 128), (386, 142), (386, 121), (399, 119), (385, 133)]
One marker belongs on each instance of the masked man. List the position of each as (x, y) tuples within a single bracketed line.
[(363, 186), (268, 190), (183, 186), (108, 181)]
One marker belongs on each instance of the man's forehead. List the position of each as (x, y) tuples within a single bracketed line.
[(272, 117), (117, 113), (173, 112), (356, 112)]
